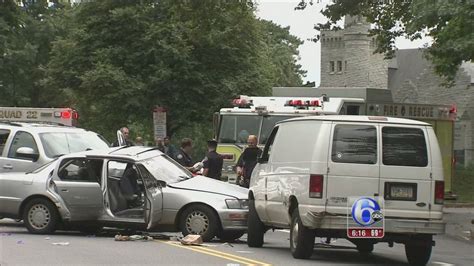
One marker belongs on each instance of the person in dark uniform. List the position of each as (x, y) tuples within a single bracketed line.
[(213, 161), (183, 156), (247, 161)]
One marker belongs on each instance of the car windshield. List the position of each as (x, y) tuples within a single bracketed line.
[(268, 124), (44, 166), (59, 143), (164, 168)]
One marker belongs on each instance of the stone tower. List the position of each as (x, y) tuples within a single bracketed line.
[(347, 58)]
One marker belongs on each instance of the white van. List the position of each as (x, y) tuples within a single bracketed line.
[(322, 176)]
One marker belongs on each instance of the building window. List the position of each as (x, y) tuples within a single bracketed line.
[(331, 67), (345, 65), (339, 66)]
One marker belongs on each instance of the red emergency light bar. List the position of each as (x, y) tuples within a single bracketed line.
[(242, 102), (301, 103)]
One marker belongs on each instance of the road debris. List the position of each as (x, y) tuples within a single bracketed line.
[(61, 243), (195, 240), (245, 251), (47, 238), (227, 244), (19, 242), (133, 238)]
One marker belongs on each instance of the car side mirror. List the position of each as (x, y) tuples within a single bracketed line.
[(161, 183), (28, 153)]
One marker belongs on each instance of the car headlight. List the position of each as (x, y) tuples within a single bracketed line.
[(237, 203)]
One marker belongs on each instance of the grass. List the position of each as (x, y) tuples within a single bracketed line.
[(463, 184)]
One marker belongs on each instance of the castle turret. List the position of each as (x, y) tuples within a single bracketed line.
[(348, 59)]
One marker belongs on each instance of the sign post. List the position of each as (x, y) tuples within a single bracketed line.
[(159, 122)]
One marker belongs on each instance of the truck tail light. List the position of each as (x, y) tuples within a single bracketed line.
[(316, 186), (439, 192)]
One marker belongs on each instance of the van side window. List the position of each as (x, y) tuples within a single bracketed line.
[(354, 144), (404, 147), (268, 147)]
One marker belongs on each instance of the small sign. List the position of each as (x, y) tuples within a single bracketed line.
[(159, 122), (366, 219), (415, 111)]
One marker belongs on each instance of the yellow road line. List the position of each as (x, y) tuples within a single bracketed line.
[(218, 254)]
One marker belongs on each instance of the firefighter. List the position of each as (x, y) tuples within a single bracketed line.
[(213, 162), (247, 161)]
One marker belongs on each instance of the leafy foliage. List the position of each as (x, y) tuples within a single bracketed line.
[(448, 23), (114, 60)]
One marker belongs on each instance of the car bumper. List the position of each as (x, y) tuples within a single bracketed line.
[(233, 219), (322, 220)]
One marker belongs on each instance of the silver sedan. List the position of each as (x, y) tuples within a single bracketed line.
[(134, 187)]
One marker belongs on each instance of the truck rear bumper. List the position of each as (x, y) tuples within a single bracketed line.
[(323, 220)]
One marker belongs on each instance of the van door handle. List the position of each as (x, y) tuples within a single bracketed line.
[(64, 190), (8, 166)]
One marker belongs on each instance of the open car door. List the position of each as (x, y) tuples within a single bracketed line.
[(79, 189), (154, 198)]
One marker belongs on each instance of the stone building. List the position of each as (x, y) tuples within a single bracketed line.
[(348, 60)]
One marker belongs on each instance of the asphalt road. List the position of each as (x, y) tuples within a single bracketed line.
[(18, 247)]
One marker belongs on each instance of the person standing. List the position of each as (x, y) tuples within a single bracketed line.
[(159, 144), (213, 161), (139, 141), (247, 161), (126, 136), (183, 156), (169, 148)]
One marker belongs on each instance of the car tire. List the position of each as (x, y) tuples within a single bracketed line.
[(256, 229), (301, 238), (40, 216), (199, 220), (418, 252), (230, 236)]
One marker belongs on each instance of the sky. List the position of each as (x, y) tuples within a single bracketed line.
[(301, 24)]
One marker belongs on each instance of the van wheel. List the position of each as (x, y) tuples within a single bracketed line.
[(40, 216), (199, 220), (418, 253), (301, 238), (256, 229)]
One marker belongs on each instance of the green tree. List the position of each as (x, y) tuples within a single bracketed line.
[(449, 23), (121, 58), (26, 35)]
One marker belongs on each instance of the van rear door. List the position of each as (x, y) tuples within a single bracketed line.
[(353, 168), (405, 171)]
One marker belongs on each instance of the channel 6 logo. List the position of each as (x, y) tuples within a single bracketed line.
[(366, 211)]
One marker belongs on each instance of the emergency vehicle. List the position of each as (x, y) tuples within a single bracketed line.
[(251, 115), (60, 116)]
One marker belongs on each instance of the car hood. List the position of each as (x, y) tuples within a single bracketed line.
[(209, 185)]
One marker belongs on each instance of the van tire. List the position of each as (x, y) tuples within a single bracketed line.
[(256, 229), (418, 253), (301, 238), (40, 216)]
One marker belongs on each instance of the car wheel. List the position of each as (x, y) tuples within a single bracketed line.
[(230, 236), (199, 220), (418, 253), (40, 216), (256, 229), (301, 238)]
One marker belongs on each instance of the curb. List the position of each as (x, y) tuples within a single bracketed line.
[(459, 205)]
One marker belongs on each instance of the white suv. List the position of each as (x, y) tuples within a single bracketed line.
[(313, 170), (26, 146)]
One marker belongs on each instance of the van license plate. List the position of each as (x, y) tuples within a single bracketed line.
[(365, 233), (400, 191)]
